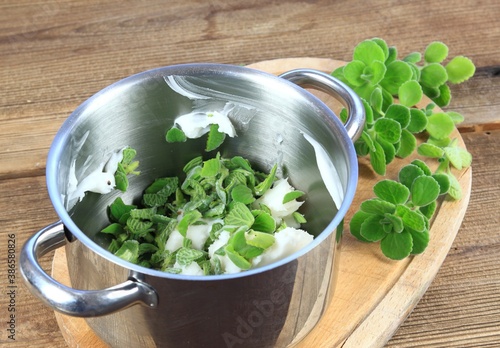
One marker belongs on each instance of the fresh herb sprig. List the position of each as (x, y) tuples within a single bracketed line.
[(219, 193), (391, 89)]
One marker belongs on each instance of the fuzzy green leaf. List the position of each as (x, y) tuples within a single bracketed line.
[(410, 93), (443, 181), (424, 190), (377, 159), (129, 251), (243, 194), (372, 230), (418, 121), (456, 117), (398, 72), (440, 125), (353, 72), (259, 239), (399, 113), (239, 215), (388, 129), (428, 210), (429, 150), (377, 206), (408, 174), (188, 219), (436, 52), (422, 165), (263, 222), (215, 138), (460, 69), (433, 75), (355, 224), (444, 97), (420, 241), (391, 191), (368, 51), (458, 157), (413, 57), (411, 219), (389, 150), (407, 144), (397, 246), (175, 135)]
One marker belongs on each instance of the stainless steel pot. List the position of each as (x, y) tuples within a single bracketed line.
[(273, 306)]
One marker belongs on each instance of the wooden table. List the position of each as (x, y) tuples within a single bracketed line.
[(56, 54)]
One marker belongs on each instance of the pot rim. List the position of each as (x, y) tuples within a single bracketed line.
[(57, 148)]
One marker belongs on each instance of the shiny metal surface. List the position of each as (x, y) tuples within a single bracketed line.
[(343, 93), (272, 306), (79, 303)]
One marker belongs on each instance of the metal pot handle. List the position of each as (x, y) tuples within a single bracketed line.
[(78, 303), (340, 91)]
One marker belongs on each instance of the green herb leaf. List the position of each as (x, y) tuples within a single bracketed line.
[(355, 224), (410, 93), (377, 206), (444, 182), (418, 121), (259, 239), (460, 69), (239, 215), (387, 129), (455, 190), (236, 258), (436, 52), (420, 241), (353, 72), (458, 157), (263, 222), (413, 57), (377, 159), (215, 138), (397, 246), (407, 144), (243, 194), (428, 210), (175, 135), (290, 196), (368, 51), (119, 210), (391, 191), (372, 230), (424, 190), (440, 125), (129, 251), (185, 256), (408, 174), (433, 75), (188, 219), (429, 150), (444, 97), (265, 185), (210, 168), (114, 229), (399, 113), (398, 72), (411, 219)]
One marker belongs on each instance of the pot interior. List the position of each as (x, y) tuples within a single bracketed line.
[(139, 110)]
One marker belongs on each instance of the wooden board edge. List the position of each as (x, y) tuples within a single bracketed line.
[(378, 327)]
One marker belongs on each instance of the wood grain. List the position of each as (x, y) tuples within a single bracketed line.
[(55, 54), (59, 53)]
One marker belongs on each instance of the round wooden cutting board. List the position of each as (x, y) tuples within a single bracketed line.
[(373, 295)]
